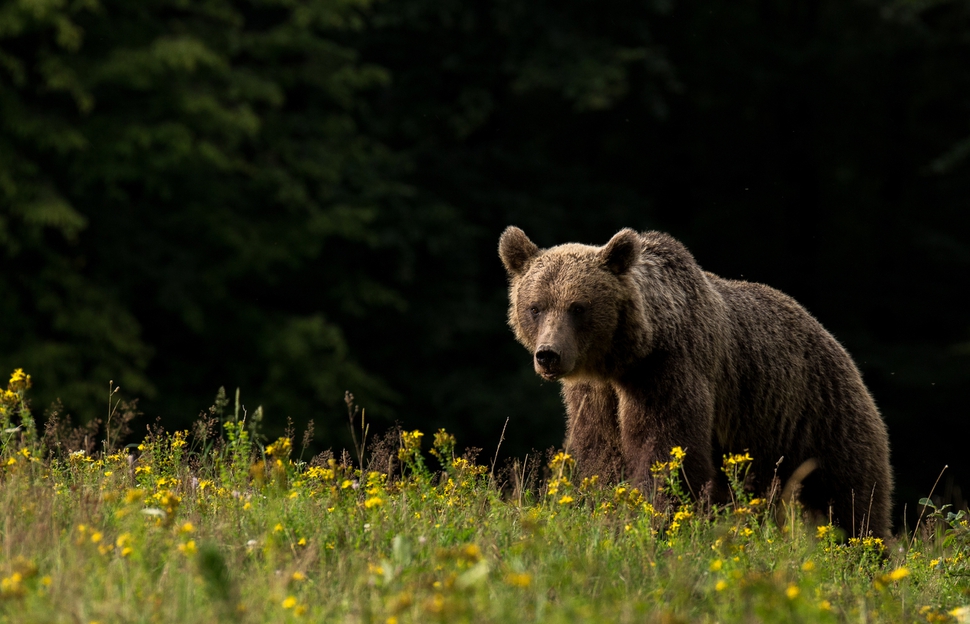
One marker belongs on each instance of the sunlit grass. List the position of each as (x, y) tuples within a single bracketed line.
[(211, 525)]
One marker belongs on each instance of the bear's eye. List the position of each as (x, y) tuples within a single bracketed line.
[(534, 311), (577, 309)]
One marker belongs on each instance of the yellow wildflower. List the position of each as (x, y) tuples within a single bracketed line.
[(410, 444), (737, 460), (280, 448), (19, 380), (13, 586), (518, 579), (899, 573), (561, 460), (124, 544), (178, 440)]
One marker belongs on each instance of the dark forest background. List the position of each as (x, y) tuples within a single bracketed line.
[(303, 197)]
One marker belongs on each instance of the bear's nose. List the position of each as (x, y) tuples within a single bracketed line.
[(547, 358)]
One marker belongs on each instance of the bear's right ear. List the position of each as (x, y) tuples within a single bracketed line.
[(515, 249), (622, 251)]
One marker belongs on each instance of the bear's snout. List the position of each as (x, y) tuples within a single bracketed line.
[(548, 362)]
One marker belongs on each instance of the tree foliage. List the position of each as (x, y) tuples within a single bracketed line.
[(183, 183)]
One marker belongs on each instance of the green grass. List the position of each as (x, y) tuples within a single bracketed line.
[(205, 526)]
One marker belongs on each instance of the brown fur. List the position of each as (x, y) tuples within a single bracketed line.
[(653, 352)]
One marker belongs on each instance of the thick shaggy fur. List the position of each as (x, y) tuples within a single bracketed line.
[(652, 353)]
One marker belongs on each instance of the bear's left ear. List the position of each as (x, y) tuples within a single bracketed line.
[(515, 249), (622, 251)]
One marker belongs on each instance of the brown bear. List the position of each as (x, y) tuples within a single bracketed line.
[(653, 352)]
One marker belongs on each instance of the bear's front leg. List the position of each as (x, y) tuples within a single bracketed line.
[(651, 424), (592, 429)]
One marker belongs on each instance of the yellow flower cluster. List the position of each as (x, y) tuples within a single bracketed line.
[(737, 460), (410, 444), (318, 472), (18, 381), (464, 466), (124, 544), (444, 445), (12, 586), (290, 603), (518, 579), (561, 461), (883, 580), (684, 513), (280, 449), (11, 399), (167, 504), (630, 497), (375, 487), (187, 548), (553, 486), (677, 455), (178, 440), (874, 543)]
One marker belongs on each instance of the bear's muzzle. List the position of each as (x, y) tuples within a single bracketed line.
[(548, 362)]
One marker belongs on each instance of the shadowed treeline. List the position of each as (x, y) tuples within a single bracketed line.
[(299, 199)]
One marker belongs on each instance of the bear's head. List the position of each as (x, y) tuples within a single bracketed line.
[(567, 304)]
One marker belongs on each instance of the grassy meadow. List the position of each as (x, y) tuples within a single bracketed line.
[(216, 524)]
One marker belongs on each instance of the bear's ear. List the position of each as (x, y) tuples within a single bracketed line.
[(515, 249), (622, 251)]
